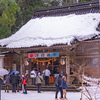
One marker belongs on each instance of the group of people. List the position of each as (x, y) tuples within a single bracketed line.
[(60, 81), (15, 80), (46, 75), (37, 78)]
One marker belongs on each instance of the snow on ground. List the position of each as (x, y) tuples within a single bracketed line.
[(33, 95), (54, 30)]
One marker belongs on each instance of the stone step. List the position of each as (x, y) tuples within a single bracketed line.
[(46, 88)]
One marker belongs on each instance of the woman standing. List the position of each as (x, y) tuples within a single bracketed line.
[(39, 80)]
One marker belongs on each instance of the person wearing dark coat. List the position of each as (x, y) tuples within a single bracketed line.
[(7, 82), (14, 82), (18, 81), (58, 84)]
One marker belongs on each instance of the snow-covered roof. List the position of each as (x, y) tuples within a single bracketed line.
[(54, 30)]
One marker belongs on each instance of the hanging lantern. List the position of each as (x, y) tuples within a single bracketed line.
[(26, 62), (37, 62), (32, 60), (62, 61), (49, 63), (54, 59), (43, 63)]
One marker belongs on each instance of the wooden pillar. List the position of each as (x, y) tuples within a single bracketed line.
[(22, 71), (1, 61), (67, 68)]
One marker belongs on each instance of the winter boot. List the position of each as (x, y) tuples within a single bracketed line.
[(25, 92), (56, 98), (61, 98)]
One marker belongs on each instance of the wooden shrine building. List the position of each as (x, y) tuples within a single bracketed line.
[(29, 48)]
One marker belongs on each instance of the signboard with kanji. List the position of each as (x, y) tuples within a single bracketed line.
[(43, 55)]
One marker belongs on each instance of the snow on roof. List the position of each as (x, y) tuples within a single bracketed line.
[(54, 30)]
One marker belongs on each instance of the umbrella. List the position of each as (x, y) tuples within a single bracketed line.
[(3, 71), (16, 72)]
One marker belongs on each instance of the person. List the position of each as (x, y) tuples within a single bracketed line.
[(39, 70), (51, 79), (59, 85), (39, 80), (33, 76), (7, 82), (18, 81), (64, 87), (25, 81), (46, 73), (14, 82)]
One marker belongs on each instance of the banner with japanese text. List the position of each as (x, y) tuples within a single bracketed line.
[(43, 55)]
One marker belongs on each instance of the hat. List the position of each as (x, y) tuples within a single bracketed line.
[(64, 77)]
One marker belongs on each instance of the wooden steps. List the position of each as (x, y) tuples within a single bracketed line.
[(47, 88)]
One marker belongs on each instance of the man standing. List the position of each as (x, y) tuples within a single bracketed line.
[(59, 85), (18, 81), (14, 82), (33, 76), (46, 73), (7, 82)]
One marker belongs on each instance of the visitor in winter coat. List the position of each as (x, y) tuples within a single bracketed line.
[(7, 82), (39, 80), (33, 76), (58, 84), (25, 81), (64, 86), (46, 73), (14, 82), (18, 81)]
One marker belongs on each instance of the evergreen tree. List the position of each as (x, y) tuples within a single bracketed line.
[(26, 12), (8, 9)]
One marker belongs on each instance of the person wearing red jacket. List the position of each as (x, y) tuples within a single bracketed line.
[(25, 81)]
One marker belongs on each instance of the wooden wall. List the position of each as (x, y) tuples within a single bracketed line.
[(90, 52)]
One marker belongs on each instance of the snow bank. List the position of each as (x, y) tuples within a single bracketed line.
[(54, 30)]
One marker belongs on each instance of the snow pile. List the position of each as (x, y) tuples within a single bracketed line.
[(54, 30)]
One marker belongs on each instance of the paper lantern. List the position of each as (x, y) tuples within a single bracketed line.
[(32, 60), (62, 61), (37, 62), (49, 63), (54, 59), (43, 63)]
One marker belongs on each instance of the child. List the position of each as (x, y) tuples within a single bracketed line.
[(64, 86), (25, 81)]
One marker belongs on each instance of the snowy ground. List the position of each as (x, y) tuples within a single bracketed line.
[(33, 95)]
